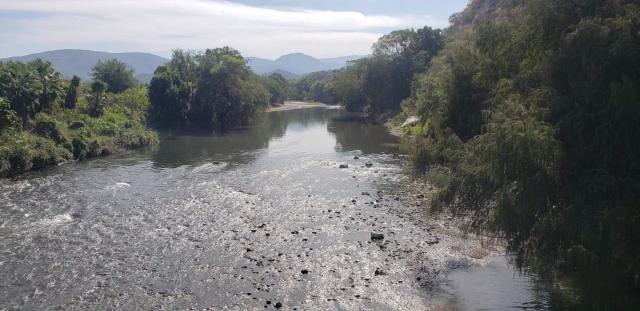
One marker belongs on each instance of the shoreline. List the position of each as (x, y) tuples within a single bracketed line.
[(35, 163), (292, 105)]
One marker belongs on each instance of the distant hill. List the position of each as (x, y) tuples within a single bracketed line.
[(298, 63), (145, 78), (286, 74), (341, 61), (80, 62)]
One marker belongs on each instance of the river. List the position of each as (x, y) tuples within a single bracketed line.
[(259, 218)]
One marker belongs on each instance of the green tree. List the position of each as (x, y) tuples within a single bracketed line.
[(22, 87), (227, 93), (51, 84), (96, 107), (277, 86), (185, 64), (117, 75), (71, 100), (170, 98), (378, 84), (206, 91), (8, 117)]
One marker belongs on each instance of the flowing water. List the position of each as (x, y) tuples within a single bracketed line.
[(259, 218)]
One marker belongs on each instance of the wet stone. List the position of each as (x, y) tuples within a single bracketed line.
[(376, 236)]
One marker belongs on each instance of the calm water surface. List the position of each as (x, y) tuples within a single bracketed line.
[(242, 221)]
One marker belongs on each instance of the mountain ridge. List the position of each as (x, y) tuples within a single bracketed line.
[(79, 62), (299, 63)]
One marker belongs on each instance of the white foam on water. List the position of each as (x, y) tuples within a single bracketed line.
[(54, 221), (119, 185)]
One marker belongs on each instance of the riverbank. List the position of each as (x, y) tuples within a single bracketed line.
[(291, 105), (69, 136)]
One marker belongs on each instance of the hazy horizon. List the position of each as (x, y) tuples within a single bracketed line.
[(263, 29), (169, 56)]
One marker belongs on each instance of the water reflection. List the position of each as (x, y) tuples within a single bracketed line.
[(355, 133), (317, 130), (497, 286)]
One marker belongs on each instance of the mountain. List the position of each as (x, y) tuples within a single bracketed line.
[(80, 62), (145, 78), (298, 63), (341, 60)]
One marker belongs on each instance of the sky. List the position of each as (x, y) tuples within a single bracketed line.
[(260, 28)]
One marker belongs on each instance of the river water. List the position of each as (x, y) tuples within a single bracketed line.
[(259, 218)]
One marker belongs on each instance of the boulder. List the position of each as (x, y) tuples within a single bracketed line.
[(344, 165)]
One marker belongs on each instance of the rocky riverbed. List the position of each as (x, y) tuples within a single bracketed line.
[(261, 218)]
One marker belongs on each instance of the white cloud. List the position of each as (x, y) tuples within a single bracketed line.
[(160, 25)]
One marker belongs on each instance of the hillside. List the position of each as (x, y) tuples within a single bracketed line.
[(80, 62)]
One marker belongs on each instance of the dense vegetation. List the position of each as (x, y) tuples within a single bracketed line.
[(211, 90), (530, 120), (45, 120), (118, 76), (379, 83), (315, 87), (535, 108)]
